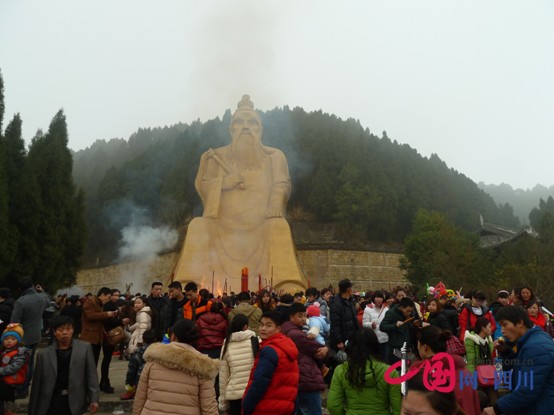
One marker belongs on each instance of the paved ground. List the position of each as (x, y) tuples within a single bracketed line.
[(108, 402)]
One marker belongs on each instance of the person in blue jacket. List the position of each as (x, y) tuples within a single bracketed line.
[(532, 383)]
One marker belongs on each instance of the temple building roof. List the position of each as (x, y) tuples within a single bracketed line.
[(492, 235)]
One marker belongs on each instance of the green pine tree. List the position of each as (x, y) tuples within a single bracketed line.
[(12, 150), (59, 238), (29, 213), (6, 251), (2, 106)]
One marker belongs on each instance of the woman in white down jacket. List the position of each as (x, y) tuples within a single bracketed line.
[(143, 323), (374, 314), (237, 359)]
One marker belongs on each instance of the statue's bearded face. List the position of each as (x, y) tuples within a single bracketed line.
[(246, 133), (246, 123)]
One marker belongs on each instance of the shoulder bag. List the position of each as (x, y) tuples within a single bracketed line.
[(116, 336), (485, 375)]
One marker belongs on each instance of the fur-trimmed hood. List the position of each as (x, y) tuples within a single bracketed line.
[(184, 357), (476, 338)]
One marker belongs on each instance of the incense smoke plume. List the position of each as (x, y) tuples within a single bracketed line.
[(140, 244)]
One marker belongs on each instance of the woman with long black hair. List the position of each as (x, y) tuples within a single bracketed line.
[(359, 385), (237, 359)]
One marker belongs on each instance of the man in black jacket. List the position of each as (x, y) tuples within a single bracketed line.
[(157, 301), (107, 349), (173, 309), (450, 311), (397, 324), (343, 316), (73, 309)]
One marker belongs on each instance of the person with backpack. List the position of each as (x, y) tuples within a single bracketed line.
[(472, 311), (240, 348)]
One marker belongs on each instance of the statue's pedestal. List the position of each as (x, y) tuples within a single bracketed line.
[(202, 257)]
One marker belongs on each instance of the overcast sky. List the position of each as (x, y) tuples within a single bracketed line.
[(472, 81)]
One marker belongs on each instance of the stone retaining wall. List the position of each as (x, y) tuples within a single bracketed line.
[(367, 270)]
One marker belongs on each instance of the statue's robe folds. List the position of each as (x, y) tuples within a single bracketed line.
[(235, 231)]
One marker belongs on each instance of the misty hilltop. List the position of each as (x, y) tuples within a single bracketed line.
[(368, 186), (523, 201)]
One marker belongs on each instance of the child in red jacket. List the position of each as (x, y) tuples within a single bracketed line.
[(14, 363), (273, 384)]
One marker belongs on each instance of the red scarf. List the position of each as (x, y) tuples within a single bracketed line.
[(539, 321)]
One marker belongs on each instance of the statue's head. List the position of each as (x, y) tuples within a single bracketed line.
[(245, 121), (246, 134)]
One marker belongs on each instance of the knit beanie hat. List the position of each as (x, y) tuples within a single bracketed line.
[(313, 310), (15, 330)]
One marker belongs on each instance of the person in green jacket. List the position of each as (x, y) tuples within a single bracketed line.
[(358, 386), (479, 351)]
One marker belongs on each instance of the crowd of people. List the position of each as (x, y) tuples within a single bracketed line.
[(190, 352)]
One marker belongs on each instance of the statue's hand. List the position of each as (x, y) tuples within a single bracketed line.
[(232, 180), (273, 213)]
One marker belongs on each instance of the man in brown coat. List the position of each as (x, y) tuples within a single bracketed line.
[(93, 316)]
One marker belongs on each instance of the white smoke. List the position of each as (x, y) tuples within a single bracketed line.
[(144, 243), (140, 246)]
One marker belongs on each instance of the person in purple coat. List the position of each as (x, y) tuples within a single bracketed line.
[(311, 382)]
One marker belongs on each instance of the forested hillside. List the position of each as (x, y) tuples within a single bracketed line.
[(369, 186), (523, 201)]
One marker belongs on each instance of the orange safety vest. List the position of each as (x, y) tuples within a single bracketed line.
[(190, 313), (17, 378)]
